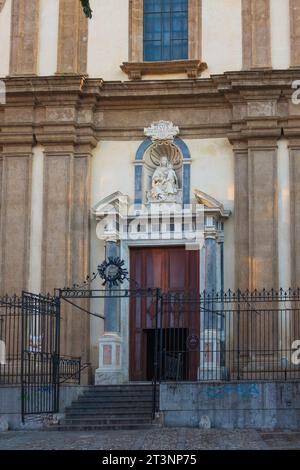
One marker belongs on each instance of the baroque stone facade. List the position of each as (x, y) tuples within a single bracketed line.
[(82, 122)]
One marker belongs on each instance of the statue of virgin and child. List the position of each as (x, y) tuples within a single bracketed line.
[(164, 181)]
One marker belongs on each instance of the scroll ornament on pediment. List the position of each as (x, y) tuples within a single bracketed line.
[(162, 130)]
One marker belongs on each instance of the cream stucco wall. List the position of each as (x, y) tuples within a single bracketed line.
[(280, 33), (108, 39), (212, 171), (112, 170), (48, 37), (284, 219), (221, 35), (36, 227), (5, 26)]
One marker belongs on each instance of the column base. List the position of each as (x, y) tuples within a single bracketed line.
[(211, 374), (110, 360), (211, 367)]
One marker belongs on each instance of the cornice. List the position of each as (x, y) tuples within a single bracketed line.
[(238, 105)]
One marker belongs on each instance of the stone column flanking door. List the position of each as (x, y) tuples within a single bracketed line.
[(211, 327), (110, 343)]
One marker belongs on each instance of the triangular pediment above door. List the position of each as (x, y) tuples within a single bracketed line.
[(116, 202), (211, 204)]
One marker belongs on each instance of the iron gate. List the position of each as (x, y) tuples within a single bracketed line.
[(40, 354)]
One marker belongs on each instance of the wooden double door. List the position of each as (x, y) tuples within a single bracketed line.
[(173, 270)]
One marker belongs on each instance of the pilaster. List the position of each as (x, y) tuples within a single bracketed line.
[(72, 38), (262, 187), (294, 161), (295, 32), (241, 220), (24, 37), (256, 33), (15, 184), (65, 254)]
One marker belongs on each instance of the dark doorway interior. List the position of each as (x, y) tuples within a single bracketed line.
[(171, 351)]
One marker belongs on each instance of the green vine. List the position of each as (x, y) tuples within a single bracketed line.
[(86, 8)]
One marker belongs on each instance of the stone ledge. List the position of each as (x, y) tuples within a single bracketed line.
[(135, 70)]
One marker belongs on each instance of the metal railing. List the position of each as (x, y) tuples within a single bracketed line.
[(229, 336), (11, 339), (33, 355)]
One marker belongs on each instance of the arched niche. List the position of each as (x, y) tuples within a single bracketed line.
[(147, 159)]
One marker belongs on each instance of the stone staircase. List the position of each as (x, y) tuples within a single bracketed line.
[(103, 407)]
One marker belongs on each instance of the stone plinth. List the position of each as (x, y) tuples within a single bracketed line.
[(110, 360)]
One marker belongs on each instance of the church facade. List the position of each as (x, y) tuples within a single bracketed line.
[(164, 133)]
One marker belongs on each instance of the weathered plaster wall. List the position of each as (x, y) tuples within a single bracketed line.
[(212, 171), (10, 405), (108, 39), (222, 35), (36, 227), (280, 34), (232, 406), (48, 37)]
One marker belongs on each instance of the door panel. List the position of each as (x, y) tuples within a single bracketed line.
[(172, 269)]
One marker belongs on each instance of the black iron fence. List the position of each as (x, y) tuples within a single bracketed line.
[(229, 336), (10, 340), (232, 336), (32, 353)]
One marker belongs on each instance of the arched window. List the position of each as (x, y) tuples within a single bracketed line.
[(165, 30)]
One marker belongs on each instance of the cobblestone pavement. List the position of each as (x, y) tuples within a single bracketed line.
[(153, 439)]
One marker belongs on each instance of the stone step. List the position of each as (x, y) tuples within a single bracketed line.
[(111, 404), (113, 400), (102, 427), (109, 388), (138, 416), (110, 407), (107, 420), (106, 393), (110, 411)]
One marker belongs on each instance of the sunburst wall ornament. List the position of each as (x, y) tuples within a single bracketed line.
[(112, 272)]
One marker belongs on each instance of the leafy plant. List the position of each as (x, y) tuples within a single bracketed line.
[(86, 8)]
